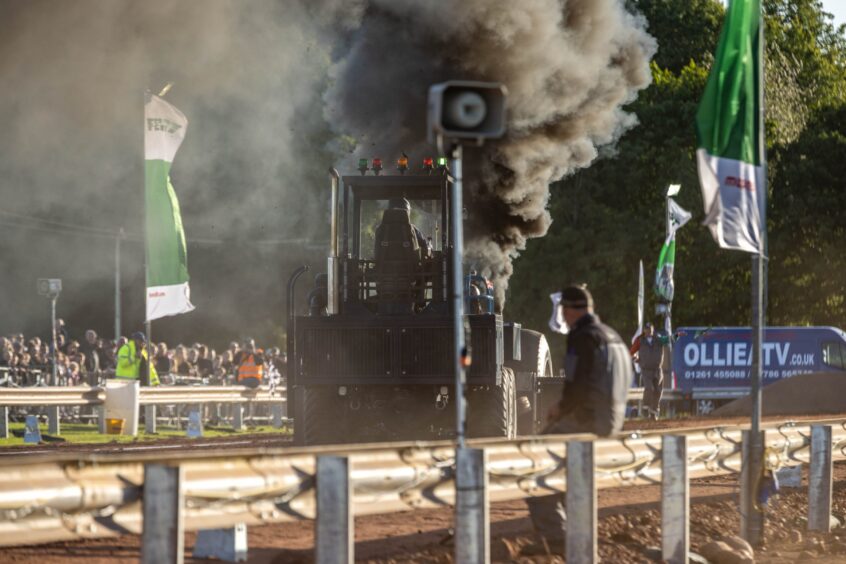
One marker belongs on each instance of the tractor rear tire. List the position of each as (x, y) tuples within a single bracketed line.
[(534, 355), (492, 412), (535, 363)]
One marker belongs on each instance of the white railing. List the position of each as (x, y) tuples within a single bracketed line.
[(54, 397)]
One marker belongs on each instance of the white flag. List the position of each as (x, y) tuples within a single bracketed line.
[(640, 299), (678, 215)]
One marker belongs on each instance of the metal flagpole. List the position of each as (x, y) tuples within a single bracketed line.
[(148, 330), (754, 510)]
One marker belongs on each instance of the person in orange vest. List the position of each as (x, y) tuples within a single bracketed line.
[(250, 365)]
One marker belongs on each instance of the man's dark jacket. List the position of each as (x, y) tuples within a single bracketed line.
[(598, 374)]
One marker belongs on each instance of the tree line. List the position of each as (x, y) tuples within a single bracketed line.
[(611, 215)]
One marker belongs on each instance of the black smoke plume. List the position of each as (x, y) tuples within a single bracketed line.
[(569, 65)]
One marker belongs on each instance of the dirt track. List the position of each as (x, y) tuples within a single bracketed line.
[(629, 524)]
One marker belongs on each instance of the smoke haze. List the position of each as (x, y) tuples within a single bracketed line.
[(269, 89)]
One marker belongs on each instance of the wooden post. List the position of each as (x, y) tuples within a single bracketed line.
[(819, 479), (162, 537), (334, 538), (675, 500), (581, 504), (472, 525)]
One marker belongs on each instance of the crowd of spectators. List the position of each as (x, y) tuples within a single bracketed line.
[(89, 360)]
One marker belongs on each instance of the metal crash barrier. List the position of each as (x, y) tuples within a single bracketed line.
[(96, 496)]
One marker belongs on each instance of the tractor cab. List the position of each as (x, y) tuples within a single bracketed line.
[(393, 244)]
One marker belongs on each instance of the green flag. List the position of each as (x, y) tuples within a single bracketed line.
[(167, 259), (664, 287), (730, 154)]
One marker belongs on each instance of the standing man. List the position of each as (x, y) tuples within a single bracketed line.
[(250, 365), (648, 350), (132, 363), (598, 372), (92, 357)]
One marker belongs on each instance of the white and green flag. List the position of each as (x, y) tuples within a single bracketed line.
[(730, 154), (167, 259), (664, 286)]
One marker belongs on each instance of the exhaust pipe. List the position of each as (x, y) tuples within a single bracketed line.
[(332, 262)]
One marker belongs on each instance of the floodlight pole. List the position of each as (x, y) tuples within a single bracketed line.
[(460, 351), (55, 381), (117, 283)]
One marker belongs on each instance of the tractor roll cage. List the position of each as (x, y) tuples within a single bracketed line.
[(358, 276)]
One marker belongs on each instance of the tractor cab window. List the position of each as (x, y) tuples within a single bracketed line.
[(425, 216)]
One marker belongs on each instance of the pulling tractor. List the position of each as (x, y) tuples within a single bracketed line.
[(373, 359)]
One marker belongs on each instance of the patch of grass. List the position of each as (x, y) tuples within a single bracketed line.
[(85, 433)]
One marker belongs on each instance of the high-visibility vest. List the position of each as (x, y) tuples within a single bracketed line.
[(249, 369), (129, 364)]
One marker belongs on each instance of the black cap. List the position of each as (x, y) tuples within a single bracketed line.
[(576, 297), (647, 325), (139, 336)]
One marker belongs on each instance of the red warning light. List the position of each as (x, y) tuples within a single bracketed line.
[(428, 162), (377, 165)]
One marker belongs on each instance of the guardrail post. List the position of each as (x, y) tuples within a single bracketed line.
[(334, 542), (675, 500), (751, 517), (472, 525), (581, 504), (238, 416), (53, 426), (276, 410), (4, 422), (162, 536), (150, 419), (101, 419), (819, 479)]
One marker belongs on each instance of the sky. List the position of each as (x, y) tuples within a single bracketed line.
[(838, 8)]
